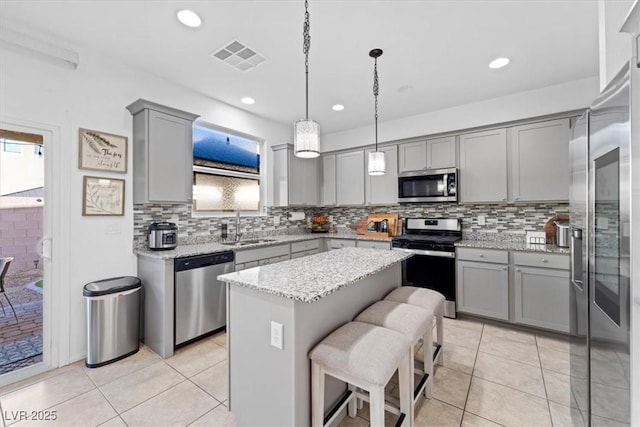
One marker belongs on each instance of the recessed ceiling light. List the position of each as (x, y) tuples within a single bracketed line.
[(405, 89), (189, 18), (499, 63), (247, 100), (338, 107)]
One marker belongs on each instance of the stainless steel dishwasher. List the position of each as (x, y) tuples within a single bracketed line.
[(200, 298)]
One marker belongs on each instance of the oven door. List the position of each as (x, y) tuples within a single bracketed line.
[(435, 271)]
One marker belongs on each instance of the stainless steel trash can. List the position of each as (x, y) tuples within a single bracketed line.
[(113, 319)]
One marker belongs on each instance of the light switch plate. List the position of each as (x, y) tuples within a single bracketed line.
[(276, 335), (276, 220), (481, 220)]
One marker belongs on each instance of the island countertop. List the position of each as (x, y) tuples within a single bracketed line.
[(310, 278)]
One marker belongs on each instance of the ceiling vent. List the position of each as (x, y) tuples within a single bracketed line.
[(238, 56)]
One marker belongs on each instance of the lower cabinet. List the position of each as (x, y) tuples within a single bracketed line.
[(373, 244), (261, 256), (305, 248), (340, 243), (541, 287), (483, 288)]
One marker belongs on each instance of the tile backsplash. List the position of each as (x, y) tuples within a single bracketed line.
[(502, 221)]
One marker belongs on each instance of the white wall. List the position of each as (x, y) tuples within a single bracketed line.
[(94, 96), (553, 99), (614, 46)]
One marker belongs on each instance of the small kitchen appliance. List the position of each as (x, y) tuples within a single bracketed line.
[(162, 236), (562, 234), (433, 265)]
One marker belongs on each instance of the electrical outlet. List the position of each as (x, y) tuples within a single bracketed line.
[(481, 220), (276, 220), (330, 218), (276, 335)]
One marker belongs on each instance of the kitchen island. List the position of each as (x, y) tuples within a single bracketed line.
[(309, 297)]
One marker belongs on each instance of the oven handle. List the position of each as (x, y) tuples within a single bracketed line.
[(428, 253)]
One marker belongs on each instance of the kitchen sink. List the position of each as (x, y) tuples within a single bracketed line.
[(249, 242)]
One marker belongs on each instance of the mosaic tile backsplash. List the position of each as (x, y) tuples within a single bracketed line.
[(502, 221)]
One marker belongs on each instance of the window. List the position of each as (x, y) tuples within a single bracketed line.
[(226, 171), (12, 147)]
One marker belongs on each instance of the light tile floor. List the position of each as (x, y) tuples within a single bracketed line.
[(492, 375)]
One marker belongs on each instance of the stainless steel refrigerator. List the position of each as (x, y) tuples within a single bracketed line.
[(600, 200)]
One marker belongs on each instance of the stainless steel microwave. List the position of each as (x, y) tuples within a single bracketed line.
[(429, 185)]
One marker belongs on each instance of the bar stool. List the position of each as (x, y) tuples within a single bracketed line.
[(364, 356), (429, 300), (413, 322)]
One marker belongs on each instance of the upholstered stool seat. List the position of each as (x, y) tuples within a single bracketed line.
[(364, 356), (429, 300), (413, 322)]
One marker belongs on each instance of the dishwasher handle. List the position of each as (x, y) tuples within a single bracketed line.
[(199, 261)]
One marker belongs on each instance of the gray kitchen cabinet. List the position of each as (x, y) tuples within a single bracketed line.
[(539, 159), (296, 180), (162, 153), (340, 243), (328, 189), (350, 175), (305, 248), (541, 287), (249, 258), (441, 152), (483, 167), (412, 156), (373, 244), (482, 288), (383, 189)]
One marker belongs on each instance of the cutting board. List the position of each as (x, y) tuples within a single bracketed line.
[(550, 229), (393, 224)]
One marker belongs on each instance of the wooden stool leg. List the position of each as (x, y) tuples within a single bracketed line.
[(376, 406), (352, 409), (317, 395), (406, 387)]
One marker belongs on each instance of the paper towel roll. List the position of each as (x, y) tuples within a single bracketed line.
[(296, 216)]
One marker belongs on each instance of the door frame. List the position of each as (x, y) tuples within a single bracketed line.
[(54, 249)]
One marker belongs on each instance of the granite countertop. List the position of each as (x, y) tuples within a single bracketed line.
[(183, 250), (313, 277), (508, 245)]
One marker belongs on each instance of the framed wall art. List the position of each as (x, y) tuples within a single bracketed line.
[(102, 196), (102, 151)]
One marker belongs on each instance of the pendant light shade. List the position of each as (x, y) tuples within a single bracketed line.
[(306, 140), (377, 162)]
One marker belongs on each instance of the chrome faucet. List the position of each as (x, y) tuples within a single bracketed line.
[(238, 233)]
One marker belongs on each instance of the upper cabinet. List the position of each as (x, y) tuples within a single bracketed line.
[(441, 152), (296, 180), (383, 189), (539, 161), (412, 156), (433, 153), (328, 188), (162, 153), (483, 167), (350, 174)]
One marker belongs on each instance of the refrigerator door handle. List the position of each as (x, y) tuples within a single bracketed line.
[(576, 257)]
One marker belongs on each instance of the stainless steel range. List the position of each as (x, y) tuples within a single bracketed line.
[(433, 266)]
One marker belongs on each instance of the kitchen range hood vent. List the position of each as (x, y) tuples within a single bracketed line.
[(239, 56)]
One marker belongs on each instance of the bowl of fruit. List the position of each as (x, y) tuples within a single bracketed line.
[(319, 224)]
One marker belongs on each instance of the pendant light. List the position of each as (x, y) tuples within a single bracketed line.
[(306, 141), (377, 163)]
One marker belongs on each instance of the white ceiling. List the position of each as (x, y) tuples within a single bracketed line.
[(439, 48)]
